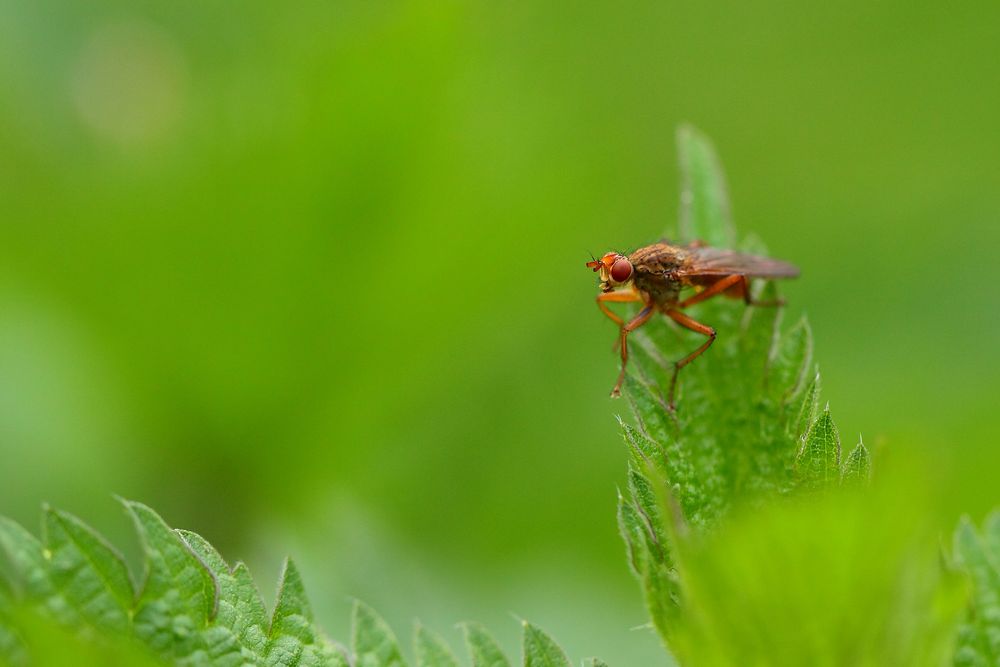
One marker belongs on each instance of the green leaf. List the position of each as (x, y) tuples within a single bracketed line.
[(240, 608), (373, 642), (858, 466), (845, 578), (431, 650), (540, 650), (647, 505), (192, 608), (789, 363), (293, 638), (818, 462), (27, 558), (292, 614), (991, 534), (808, 409), (979, 636), (178, 595), (634, 533), (483, 649), (88, 573), (704, 212), (12, 650)]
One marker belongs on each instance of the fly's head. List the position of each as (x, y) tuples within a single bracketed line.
[(615, 270)]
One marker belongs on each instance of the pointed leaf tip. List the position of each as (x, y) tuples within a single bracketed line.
[(372, 639), (88, 572), (483, 648), (177, 583), (818, 461), (540, 650), (431, 650), (704, 205), (292, 614), (857, 468)]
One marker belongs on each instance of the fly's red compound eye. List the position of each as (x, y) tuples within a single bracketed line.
[(621, 270)]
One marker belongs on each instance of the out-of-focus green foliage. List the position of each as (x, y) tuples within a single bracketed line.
[(978, 553), (841, 578), (318, 264), (70, 598)]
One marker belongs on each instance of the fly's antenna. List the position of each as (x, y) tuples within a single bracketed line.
[(593, 263)]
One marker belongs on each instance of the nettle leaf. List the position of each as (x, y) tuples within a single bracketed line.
[(239, 608), (88, 572), (177, 599), (704, 212), (431, 650), (12, 650), (373, 642), (70, 600), (292, 637), (747, 428), (858, 466), (540, 650), (808, 409), (978, 554), (818, 462), (26, 557), (789, 363), (483, 648)]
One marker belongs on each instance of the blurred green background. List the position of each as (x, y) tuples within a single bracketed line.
[(308, 277)]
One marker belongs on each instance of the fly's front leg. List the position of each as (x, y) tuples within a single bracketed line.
[(698, 327), (623, 296), (633, 324)]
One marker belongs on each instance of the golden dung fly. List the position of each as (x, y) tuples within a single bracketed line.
[(657, 274)]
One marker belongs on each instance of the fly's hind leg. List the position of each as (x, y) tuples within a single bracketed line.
[(742, 290), (693, 325)]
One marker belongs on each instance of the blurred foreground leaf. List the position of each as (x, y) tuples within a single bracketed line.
[(69, 600), (978, 553)]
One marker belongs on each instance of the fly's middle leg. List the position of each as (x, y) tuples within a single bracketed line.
[(693, 325)]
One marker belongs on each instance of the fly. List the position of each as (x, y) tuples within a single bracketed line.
[(657, 274)]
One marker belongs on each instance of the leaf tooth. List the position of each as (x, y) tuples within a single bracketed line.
[(808, 409), (431, 650), (632, 532), (25, 554), (177, 584), (89, 573), (540, 650), (818, 461), (292, 613), (483, 648), (857, 467), (372, 640)]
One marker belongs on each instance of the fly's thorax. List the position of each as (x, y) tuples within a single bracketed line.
[(654, 271), (657, 258), (661, 288)]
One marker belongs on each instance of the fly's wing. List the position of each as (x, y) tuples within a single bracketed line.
[(715, 262)]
